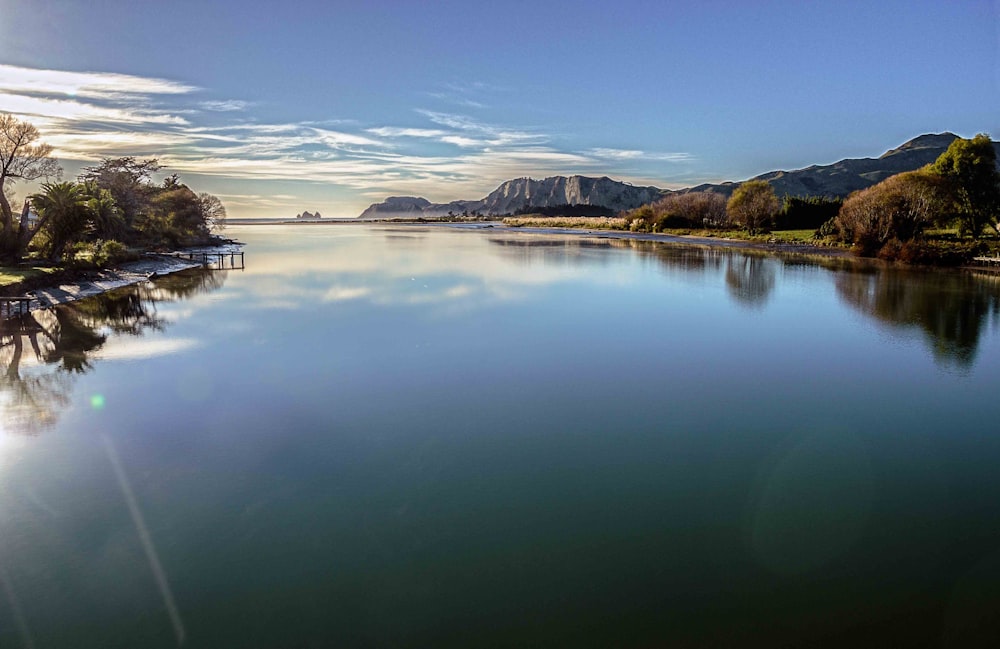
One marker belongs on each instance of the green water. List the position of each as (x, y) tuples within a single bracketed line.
[(434, 437)]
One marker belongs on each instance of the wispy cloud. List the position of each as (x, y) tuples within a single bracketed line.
[(393, 131), (464, 102), (227, 106), (475, 94), (632, 154), (92, 85), (440, 155)]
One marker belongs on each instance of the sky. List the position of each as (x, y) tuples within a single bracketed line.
[(280, 107)]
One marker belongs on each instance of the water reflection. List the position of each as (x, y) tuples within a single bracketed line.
[(529, 250), (41, 351), (430, 469), (750, 276), (950, 308)]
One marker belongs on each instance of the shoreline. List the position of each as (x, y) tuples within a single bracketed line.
[(73, 285), (497, 226), (94, 282), (682, 239)]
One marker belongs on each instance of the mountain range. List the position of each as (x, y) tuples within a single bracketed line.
[(520, 194)]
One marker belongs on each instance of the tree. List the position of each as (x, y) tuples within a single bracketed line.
[(20, 159), (969, 168), (214, 212), (64, 215), (174, 217), (106, 219), (129, 180), (802, 212), (753, 205)]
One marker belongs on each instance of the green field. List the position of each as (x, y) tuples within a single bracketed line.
[(10, 276)]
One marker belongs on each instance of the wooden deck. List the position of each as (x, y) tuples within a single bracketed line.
[(12, 306), (215, 260)]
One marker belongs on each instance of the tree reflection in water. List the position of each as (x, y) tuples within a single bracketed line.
[(41, 351), (950, 307), (750, 279), (750, 276)]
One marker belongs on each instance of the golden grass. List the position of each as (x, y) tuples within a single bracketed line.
[(593, 222)]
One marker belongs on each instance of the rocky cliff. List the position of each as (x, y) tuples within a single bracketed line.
[(524, 193)]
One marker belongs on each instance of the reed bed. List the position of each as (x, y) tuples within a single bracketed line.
[(592, 222)]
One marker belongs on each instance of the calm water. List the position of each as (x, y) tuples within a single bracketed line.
[(430, 437)]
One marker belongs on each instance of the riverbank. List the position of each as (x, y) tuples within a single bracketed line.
[(776, 246), (68, 285)]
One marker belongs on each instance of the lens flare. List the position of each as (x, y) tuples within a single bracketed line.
[(97, 402)]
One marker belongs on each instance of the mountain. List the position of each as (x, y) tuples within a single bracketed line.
[(843, 177), (522, 193), (837, 179), (525, 193)]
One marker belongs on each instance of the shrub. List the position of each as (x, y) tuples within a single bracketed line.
[(891, 250), (690, 210), (899, 207), (828, 229), (110, 253)]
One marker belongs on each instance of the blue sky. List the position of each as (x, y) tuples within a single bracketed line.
[(279, 107)]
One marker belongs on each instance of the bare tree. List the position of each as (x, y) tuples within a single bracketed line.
[(20, 159), (213, 211)]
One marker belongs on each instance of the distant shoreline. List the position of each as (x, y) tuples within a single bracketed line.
[(497, 226)]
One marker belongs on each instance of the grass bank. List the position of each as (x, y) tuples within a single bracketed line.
[(938, 247), (10, 278)]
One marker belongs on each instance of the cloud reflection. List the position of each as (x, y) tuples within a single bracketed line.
[(395, 267)]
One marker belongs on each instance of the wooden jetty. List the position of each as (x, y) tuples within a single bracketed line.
[(215, 260), (987, 261), (12, 306)]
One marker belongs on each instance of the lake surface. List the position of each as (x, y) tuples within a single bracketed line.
[(435, 437)]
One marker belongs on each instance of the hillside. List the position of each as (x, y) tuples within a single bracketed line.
[(843, 177), (837, 179)]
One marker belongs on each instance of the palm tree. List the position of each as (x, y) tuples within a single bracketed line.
[(64, 215), (106, 218)]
